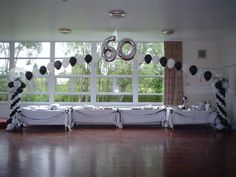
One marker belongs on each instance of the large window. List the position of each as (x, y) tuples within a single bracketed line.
[(31, 56), (97, 82), (4, 70)]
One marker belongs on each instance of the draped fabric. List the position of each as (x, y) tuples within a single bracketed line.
[(173, 88)]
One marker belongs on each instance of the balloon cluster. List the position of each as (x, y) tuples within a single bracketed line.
[(16, 86), (170, 63), (57, 64), (221, 122)]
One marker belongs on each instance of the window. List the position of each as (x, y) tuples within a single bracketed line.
[(150, 76), (4, 70), (97, 82), (73, 83), (31, 56)]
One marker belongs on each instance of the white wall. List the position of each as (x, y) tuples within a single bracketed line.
[(228, 63), (195, 87)]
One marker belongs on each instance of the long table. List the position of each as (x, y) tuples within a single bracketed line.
[(130, 116), (193, 117), (96, 116), (45, 117)]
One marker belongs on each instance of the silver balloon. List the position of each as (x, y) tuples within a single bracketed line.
[(17, 73), (170, 63), (108, 52), (50, 67), (17, 84), (131, 54), (65, 63), (35, 71)]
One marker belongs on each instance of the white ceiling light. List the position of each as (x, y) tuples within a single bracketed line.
[(167, 31), (65, 30), (116, 13)]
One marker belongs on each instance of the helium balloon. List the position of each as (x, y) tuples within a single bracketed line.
[(163, 61), (148, 58), (11, 84), (50, 67), (170, 63), (17, 73), (207, 75), (88, 58), (17, 84), (218, 84), (73, 61), (58, 64), (121, 45), (29, 75), (19, 90), (65, 63), (42, 70), (193, 69), (178, 65), (23, 85)]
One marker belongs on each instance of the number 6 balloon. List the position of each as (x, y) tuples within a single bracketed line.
[(106, 48)]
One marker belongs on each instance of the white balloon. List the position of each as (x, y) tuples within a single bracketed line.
[(170, 63), (35, 71), (17, 84), (155, 60), (200, 73), (17, 73), (50, 67), (140, 57), (219, 126), (225, 85), (185, 67), (10, 127), (65, 63), (80, 60)]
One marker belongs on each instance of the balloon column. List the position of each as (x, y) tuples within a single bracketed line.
[(16, 86), (221, 122)]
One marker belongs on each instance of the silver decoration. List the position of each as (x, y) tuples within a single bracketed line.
[(108, 52), (131, 54)]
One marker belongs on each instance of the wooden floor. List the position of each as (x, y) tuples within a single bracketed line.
[(108, 152)]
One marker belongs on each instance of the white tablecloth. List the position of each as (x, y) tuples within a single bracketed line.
[(142, 116), (96, 116), (45, 117), (183, 117)]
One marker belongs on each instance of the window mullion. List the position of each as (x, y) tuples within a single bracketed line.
[(52, 78)]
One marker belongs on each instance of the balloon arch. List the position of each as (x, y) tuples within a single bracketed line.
[(18, 77)]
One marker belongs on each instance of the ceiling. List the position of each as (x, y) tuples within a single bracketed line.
[(192, 19)]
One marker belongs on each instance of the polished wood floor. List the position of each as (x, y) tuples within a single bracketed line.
[(108, 152)]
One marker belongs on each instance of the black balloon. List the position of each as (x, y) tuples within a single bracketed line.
[(29, 75), (9, 121), (193, 70), (207, 75), (88, 58), (163, 61), (10, 84), (72, 61), (42, 70), (148, 58), (218, 84), (19, 90), (57, 64), (22, 85), (178, 65)]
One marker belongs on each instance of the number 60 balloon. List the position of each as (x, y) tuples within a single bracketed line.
[(113, 53)]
